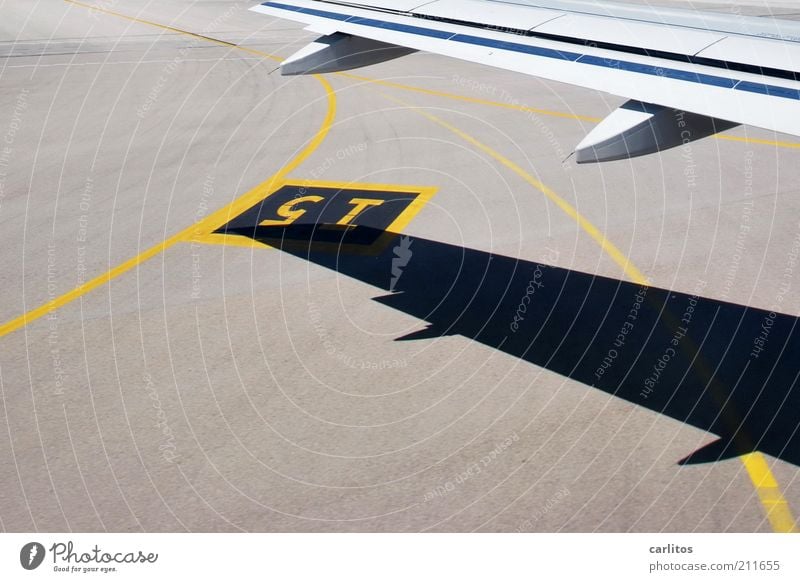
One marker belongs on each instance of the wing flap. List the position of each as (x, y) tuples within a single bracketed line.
[(757, 52), (490, 14), (340, 52), (691, 19), (390, 5), (626, 33)]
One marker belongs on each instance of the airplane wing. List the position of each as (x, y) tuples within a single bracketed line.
[(687, 74)]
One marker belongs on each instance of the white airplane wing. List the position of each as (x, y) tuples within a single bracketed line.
[(687, 74)]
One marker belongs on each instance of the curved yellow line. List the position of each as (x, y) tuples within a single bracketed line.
[(212, 221), (248, 199)]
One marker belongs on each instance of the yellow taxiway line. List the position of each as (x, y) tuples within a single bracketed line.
[(468, 99), (212, 221)]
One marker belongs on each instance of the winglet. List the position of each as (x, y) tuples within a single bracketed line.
[(340, 52), (429, 332), (636, 129), (718, 450)]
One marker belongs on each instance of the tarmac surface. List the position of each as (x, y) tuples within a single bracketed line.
[(534, 346)]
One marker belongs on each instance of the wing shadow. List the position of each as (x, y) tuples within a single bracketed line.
[(691, 358)]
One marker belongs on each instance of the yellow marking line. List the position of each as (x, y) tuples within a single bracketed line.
[(548, 112), (478, 101), (85, 288), (211, 222), (774, 503), (753, 140), (606, 245), (95, 8), (778, 511)]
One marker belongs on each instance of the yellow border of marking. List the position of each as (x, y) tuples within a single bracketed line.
[(214, 220), (424, 195), (230, 240), (772, 500)]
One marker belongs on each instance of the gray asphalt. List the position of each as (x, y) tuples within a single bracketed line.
[(225, 387)]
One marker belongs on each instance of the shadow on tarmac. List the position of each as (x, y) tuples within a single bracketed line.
[(727, 369)]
